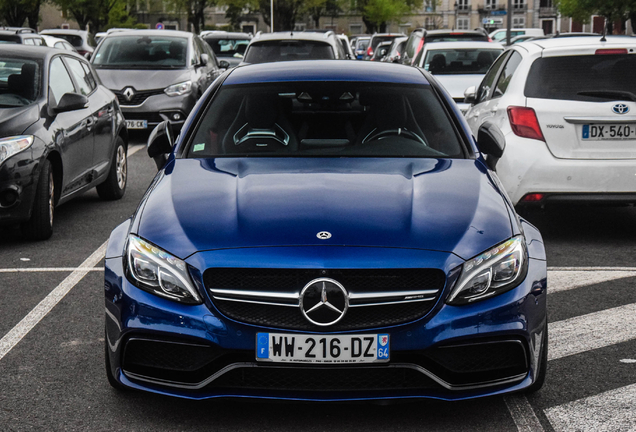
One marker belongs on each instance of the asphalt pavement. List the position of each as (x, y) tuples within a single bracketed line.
[(51, 339)]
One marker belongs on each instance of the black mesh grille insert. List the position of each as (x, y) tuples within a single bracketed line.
[(354, 280), (312, 379), (139, 97), (166, 355)]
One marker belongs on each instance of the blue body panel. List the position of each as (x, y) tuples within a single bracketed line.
[(325, 70), (443, 205)]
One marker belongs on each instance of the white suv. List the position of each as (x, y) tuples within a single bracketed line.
[(567, 108)]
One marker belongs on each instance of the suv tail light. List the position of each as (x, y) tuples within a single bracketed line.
[(370, 52), (524, 123)]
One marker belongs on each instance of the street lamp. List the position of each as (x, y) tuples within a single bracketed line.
[(455, 22), (271, 16)]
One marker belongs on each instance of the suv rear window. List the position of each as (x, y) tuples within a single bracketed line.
[(286, 50), (567, 77), (76, 41), (326, 119)]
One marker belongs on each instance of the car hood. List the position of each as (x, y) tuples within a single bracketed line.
[(456, 85), (14, 121), (118, 79), (440, 205)]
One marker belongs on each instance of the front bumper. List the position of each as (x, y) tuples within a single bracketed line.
[(18, 180), (452, 353), (527, 166), (161, 107)]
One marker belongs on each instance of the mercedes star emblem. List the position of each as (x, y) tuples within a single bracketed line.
[(323, 235), (324, 301)]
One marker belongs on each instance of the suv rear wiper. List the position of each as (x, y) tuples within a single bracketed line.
[(609, 94)]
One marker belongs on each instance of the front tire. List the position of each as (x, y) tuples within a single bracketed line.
[(40, 225), (114, 187)]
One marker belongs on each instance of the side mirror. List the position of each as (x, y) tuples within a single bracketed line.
[(88, 55), (160, 143), (224, 64), (71, 102), (205, 59), (470, 95), (383, 53), (397, 58), (491, 142)]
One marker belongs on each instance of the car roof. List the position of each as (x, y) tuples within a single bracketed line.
[(578, 43), (325, 70), (219, 34), (460, 44), (310, 36), (454, 32), (169, 33), (34, 52), (64, 31)]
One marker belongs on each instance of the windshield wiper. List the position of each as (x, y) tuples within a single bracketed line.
[(609, 94)]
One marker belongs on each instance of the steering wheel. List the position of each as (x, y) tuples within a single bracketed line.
[(403, 132)]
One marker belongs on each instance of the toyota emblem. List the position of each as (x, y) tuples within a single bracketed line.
[(323, 235), (620, 108), (324, 301)]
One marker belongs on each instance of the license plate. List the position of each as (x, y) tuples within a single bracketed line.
[(137, 124), (323, 349), (607, 132)]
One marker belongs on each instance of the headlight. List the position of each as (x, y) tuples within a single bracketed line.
[(493, 272), (13, 145), (179, 89), (156, 271)]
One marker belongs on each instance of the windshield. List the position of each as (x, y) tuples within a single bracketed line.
[(590, 78), (74, 40), (460, 61), (141, 52), (228, 47), (325, 119), (275, 51), (19, 82)]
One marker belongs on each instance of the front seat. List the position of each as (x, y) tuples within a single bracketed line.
[(260, 126)]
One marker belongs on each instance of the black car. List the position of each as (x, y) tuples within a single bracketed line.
[(157, 75), (63, 133), (377, 39), (20, 35), (228, 47)]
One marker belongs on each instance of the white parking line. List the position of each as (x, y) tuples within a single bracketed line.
[(609, 411), (563, 280), (18, 332), (49, 269), (592, 331), (134, 149)]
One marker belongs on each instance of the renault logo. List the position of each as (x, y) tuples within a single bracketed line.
[(324, 301), (128, 93), (620, 108)]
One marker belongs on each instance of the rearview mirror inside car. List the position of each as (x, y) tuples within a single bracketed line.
[(160, 143), (470, 94), (491, 142)]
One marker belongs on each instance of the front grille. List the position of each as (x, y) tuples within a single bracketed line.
[(258, 307), (167, 355), (139, 97), (315, 379)]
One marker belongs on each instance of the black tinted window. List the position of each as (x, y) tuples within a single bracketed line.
[(19, 82), (76, 41), (566, 77), (459, 61), (337, 119), (276, 51)]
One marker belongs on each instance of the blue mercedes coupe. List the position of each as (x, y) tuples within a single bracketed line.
[(326, 231)]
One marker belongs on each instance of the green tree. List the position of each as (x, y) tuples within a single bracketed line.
[(195, 10), (16, 12), (612, 10), (317, 9), (97, 13), (377, 13), (285, 11)]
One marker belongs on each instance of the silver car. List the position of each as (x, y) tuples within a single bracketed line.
[(157, 75)]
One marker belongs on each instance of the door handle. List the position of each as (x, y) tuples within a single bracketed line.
[(89, 123)]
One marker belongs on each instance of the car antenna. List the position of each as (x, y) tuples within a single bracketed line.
[(604, 30)]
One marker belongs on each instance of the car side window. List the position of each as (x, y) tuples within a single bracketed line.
[(506, 75), (59, 80), (29, 41), (196, 54), (485, 88), (214, 62), (89, 74), (79, 74), (37, 42)]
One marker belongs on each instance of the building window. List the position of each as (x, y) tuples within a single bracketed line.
[(463, 23), (491, 4), (429, 23), (518, 4), (518, 22), (355, 29), (462, 5), (298, 27)]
